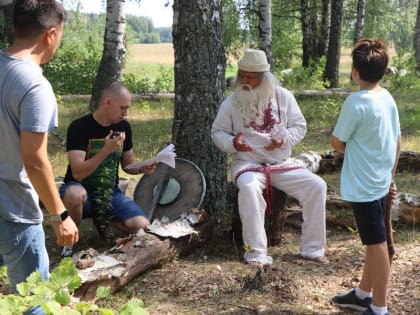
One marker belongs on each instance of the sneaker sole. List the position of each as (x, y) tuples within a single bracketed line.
[(352, 306)]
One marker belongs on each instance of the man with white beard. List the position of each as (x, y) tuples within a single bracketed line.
[(258, 124)]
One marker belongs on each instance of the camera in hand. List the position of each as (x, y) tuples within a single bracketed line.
[(115, 134)]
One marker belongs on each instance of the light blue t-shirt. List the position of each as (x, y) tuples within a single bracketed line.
[(369, 125), (27, 103)]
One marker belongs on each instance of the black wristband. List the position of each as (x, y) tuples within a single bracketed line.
[(64, 215)]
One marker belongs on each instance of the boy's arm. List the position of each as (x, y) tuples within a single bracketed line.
[(397, 156), (337, 144)]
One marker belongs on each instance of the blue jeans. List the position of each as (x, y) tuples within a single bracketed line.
[(22, 250), (123, 207)]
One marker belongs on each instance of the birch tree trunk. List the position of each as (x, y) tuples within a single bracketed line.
[(199, 89), (360, 20), (416, 39), (114, 53), (265, 29), (334, 46)]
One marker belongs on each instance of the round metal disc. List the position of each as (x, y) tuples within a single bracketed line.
[(191, 191), (170, 193)]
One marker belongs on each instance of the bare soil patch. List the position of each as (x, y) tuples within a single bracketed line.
[(214, 280)]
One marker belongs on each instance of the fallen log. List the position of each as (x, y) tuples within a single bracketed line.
[(135, 254), (409, 161), (405, 209), (332, 161)]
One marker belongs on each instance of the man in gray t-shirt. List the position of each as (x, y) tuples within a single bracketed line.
[(28, 111)]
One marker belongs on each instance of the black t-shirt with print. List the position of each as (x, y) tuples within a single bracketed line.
[(86, 134)]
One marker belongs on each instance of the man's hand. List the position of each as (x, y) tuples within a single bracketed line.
[(274, 144), (113, 144), (241, 145), (66, 232)]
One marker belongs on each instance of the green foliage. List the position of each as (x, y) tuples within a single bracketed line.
[(3, 274), (309, 78), (164, 82), (287, 34), (165, 34), (137, 84), (55, 295), (135, 307), (141, 30), (406, 62), (404, 87), (321, 111), (74, 67)]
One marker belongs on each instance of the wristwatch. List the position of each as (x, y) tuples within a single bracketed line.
[(57, 217)]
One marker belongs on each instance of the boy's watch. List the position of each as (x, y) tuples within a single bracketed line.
[(57, 217)]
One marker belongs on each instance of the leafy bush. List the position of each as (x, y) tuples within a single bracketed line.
[(164, 82), (406, 77), (73, 71), (75, 65), (55, 295), (308, 78), (136, 84)]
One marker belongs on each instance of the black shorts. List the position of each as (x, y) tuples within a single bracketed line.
[(370, 220)]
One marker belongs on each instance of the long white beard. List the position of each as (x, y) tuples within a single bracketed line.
[(251, 102)]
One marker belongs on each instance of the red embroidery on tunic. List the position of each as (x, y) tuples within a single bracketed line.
[(268, 120)]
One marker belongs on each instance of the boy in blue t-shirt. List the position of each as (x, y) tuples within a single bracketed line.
[(368, 133)]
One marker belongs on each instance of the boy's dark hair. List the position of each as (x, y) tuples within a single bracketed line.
[(370, 59), (32, 17)]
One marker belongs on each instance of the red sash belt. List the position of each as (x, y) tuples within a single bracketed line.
[(266, 169)]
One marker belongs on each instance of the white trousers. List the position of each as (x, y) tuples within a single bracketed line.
[(309, 189)]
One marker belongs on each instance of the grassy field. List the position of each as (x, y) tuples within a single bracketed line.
[(147, 59)]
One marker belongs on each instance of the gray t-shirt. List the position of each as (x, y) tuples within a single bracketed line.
[(27, 103)]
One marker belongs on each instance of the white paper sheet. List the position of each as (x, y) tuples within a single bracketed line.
[(166, 156)]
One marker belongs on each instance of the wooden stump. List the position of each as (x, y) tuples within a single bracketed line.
[(274, 223)]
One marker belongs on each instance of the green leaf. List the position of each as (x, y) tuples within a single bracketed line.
[(133, 307), (5, 306), (103, 292), (74, 283), (351, 229), (3, 275), (63, 297), (86, 307), (43, 290), (23, 288), (83, 307), (52, 307), (64, 274), (106, 311), (69, 312)]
